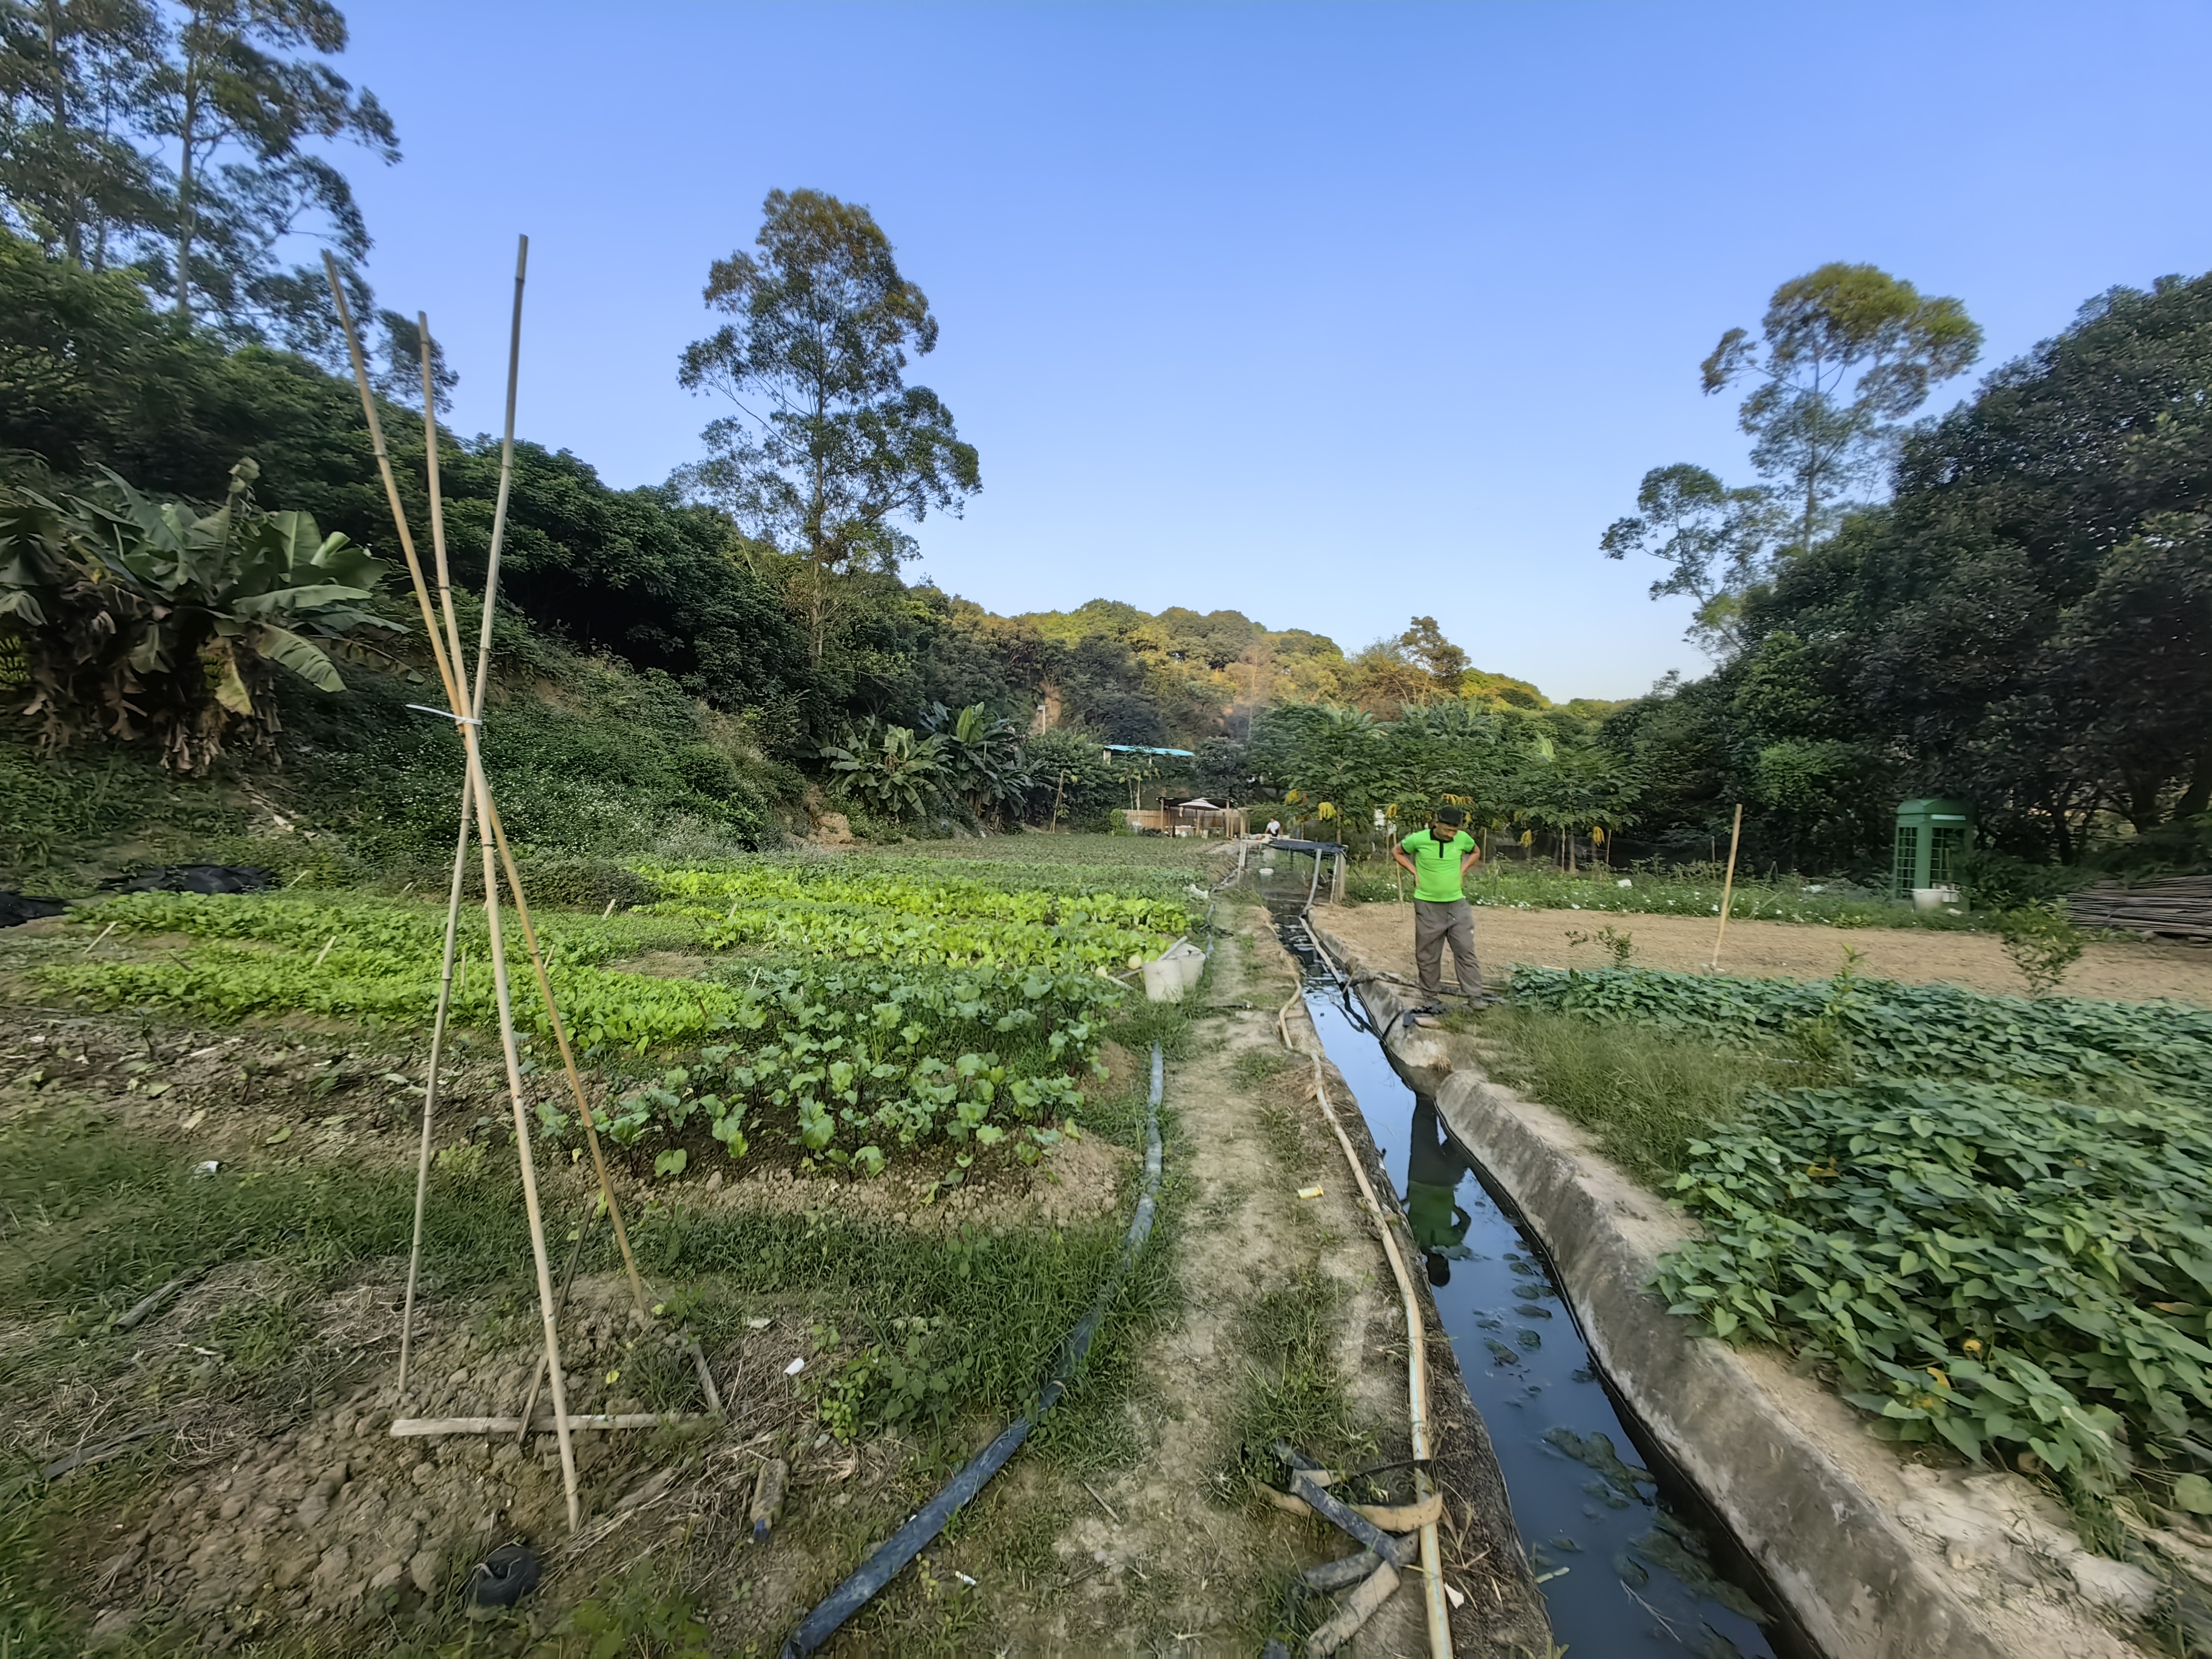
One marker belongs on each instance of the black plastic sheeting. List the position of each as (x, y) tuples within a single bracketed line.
[(909, 1541), (196, 878), (17, 908)]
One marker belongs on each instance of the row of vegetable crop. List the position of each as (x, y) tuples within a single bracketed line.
[(1982, 1266), (872, 1027), (850, 1063), (360, 922), (1997, 1230), (926, 887), (1902, 1029), (893, 936)]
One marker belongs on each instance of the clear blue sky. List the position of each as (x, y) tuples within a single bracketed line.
[(1329, 315)]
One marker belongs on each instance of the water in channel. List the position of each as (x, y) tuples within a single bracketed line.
[(1628, 1563)]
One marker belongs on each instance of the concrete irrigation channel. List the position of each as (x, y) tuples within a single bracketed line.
[(1780, 1503), (1629, 1556)]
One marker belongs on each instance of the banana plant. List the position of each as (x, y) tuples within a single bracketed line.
[(982, 757), (154, 620), (888, 769)]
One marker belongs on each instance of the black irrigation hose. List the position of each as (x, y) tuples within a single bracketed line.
[(909, 1541)]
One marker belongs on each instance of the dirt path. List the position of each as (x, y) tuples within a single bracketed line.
[(2127, 970)]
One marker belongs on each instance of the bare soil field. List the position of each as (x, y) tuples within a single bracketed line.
[(2126, 971)]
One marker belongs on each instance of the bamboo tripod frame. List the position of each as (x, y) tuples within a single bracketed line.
[(466, 713)]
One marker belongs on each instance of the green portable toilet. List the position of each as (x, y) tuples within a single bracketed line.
[(1932, 838)]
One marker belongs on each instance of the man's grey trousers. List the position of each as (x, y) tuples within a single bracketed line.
[(1432, 925)]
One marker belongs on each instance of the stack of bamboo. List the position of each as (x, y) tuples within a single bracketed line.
[(2178, 907)]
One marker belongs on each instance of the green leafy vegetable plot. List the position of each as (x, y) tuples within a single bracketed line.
[(1982, 1264)]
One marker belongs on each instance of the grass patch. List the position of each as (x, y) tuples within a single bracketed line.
[(1294, 1390), (1645, 1094), (1510, 886), (1253, 1066), (98, 1218), (1895, 1030)]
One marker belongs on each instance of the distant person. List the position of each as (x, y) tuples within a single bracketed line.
[(1433, 1170), (1439, 857), (1274, 826)]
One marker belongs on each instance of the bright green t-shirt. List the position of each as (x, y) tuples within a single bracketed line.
[(1436, 867)]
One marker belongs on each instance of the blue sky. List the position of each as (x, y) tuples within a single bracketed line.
[(1331, 315)]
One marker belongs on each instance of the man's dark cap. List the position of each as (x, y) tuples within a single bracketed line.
[(1451, 815)]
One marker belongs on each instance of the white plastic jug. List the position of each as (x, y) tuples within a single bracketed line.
[(1173, 972), (1189, 961), (1164, 981)]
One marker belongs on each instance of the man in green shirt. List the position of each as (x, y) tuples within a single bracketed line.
[(1439, 857)]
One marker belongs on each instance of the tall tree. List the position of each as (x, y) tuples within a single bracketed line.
[(1446, 663), (248, 78), (75, 98), (1716, 540), (1845, 353), (829, 445)]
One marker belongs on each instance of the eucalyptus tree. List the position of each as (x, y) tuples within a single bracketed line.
[(77, 80), (1845, 353), (247, 79), (1714, 540), (829, 449)]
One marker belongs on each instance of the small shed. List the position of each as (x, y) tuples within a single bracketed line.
[(1933, 835)]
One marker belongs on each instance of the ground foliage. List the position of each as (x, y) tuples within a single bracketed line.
[(898, 1006), (1981, 1264), (1995, 1222), (1690, 890), (1888, 1027)]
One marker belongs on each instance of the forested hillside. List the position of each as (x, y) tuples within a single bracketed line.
[(615, 602)]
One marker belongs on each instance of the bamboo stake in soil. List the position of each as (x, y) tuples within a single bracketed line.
[(461, 846), (480, 793), (430, 1091), (568, 1277), (1728, 886), (569, 1063)]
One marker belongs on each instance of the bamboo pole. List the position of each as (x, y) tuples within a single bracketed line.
[(1728, 886), (481, 794), (497, 833), (569, 1063), (461, 846), (430, 1093)]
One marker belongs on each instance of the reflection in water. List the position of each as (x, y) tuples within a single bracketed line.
[(1624, 1568), (1434, 1168)]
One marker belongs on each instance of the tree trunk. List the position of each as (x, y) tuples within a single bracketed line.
[(2197, 797), (72, 232), (187, 211), (2142, 793)]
